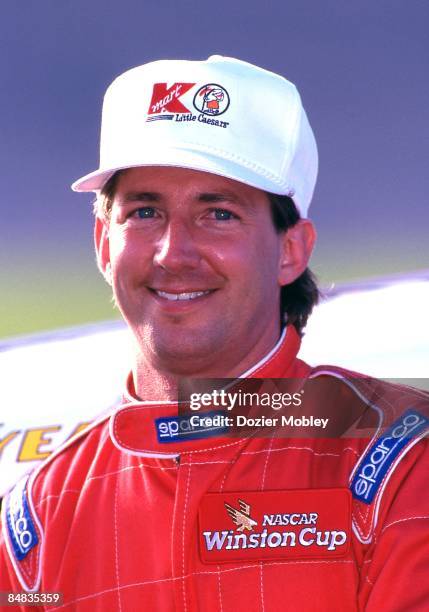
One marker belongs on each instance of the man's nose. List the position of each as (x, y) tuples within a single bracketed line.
[(176, 249)]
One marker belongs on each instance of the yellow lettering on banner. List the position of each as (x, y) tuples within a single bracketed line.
[(79, 428), (10, 436), (33, 440)]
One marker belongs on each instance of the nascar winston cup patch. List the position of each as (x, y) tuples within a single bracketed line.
[(300, 524)]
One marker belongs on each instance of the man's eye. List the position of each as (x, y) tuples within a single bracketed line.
[(146, 212), (223, 215)]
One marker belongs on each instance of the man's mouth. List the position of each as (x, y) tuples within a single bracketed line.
[(186, 295)]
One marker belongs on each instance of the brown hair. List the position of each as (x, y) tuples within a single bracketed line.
[(103, 203), (296, 299)]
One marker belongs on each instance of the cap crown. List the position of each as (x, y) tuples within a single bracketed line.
[(221, 115)]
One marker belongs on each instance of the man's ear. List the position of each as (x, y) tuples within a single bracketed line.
[(102, 249), (297, 245)]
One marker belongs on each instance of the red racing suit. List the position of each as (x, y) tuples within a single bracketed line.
[(119, 519)]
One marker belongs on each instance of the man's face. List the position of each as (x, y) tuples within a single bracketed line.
[(195, 263)]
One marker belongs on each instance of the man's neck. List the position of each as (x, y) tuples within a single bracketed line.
[(152, 382), (152, 385)]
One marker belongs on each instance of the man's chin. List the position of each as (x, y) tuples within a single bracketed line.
[(182, 353), (184, 360)]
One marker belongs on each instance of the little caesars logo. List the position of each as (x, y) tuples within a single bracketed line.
[(167, 104), (306, 535)]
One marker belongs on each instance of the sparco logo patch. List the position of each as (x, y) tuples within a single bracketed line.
[(188, 427), (211, 99), (20, 525), (166, 101), (304, 524), (381, 455)]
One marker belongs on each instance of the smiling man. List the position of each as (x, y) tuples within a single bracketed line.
[(207, 171)]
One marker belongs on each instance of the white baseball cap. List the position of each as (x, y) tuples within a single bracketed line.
[(222, 115)]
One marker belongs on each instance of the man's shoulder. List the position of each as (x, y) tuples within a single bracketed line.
[(51, 490), (71, 464), (66, 469), (393, 420), (389, 399)]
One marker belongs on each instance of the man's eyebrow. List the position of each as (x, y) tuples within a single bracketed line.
[(139, 196), (218, 196)]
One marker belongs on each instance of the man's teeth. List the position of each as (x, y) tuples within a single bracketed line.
[(181, 296)]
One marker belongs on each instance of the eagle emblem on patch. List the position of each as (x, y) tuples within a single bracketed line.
[(241, 517)]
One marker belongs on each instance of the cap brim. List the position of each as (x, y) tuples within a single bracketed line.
[(94, 181), (193, 160)]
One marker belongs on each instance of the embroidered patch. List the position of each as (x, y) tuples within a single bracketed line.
[(381, 455), (211, 99), (172, 102), (20, 525), (165, 102), (191, 427), (306, 524)]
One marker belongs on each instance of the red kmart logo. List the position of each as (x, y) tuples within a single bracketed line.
[(167, 99)]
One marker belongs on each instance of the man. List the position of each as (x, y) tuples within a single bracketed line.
[(202, 231)]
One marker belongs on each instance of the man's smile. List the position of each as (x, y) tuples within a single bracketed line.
[(182, 295)]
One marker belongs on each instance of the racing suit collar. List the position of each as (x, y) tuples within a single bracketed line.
[(134, 427)]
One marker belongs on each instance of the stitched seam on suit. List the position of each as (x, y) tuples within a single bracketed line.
[(403, 520), (101, 476), (183, 536), (218, 567), (261, 565), (115, 520), (299, 448), (129, 468), (266, 363), (201, 573)]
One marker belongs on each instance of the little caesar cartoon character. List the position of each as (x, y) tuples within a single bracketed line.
[(212, 97), (201, 229)]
